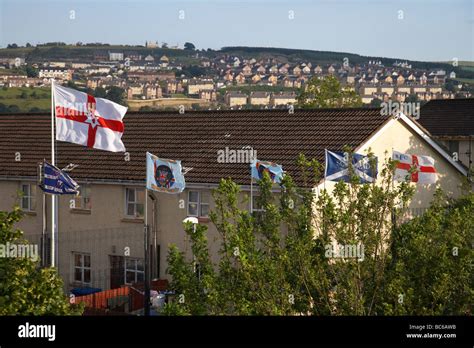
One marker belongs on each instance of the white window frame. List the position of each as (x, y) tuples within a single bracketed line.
[(82, 268), (134, 270), (30, 195), (199, 203), (135, 202), (79, 200), (255, 197)]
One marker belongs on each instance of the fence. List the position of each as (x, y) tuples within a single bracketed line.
[(126, 299), (101, 258)]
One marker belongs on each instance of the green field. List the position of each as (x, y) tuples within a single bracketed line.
[(12, 96)]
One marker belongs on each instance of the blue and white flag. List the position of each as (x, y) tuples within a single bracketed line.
[(259, 167), (164, 175), (337, 167), (56, 182)]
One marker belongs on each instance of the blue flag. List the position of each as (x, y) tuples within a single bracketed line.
[(56, 182), (337, 167), (259, 167), (164, 175)]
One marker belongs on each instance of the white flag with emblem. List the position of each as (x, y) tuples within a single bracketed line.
[(85, 120)]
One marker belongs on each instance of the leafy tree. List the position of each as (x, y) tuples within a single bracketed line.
[(116, 94), (31, 72), (100, 92), (13, 45), (280, 260), (450, 85), (412, 98), (25, 289), (28, 44), (432, 258), (327, 92), (13, 108), (375, 103), (24, 95), (146, 108), (193, 71), (71, 84), (189, 46)]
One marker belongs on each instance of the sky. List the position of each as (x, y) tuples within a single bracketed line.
[(427, 30)]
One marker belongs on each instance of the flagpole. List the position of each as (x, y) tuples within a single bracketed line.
[(53, 197), (147, 276), (325, 167), (43, 222), (251, 193)]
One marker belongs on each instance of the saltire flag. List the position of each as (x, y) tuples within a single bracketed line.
[(85, 120), (57, 182), (413, 168), (275, 171), (164, 175), (337, 167)]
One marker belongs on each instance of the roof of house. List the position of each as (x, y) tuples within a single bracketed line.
[(259, 94), (194, 137), (448, 117)]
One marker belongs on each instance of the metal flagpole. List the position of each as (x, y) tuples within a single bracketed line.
[(326, 167), (43, 222), (147, 275), (251, 193), (53, 197)]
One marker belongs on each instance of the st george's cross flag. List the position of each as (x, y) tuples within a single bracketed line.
[(85, 120), (164, 175), (275, 171), (337, 167), (56, 182), (413, 168)]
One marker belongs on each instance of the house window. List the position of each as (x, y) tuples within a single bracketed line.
[(83, 199), (82, 268), (134, 202), (198, 203), (256, 207), (134, 271), (28, 199)]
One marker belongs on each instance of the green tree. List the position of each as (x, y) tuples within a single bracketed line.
[(116, 94), (189, 46), (263, 271), (281, 260), (26, 289), (412, 98), (100, 92), (327, 92), (146, 108), (31, 72), (431, 268), (375, 103), (13, 108)]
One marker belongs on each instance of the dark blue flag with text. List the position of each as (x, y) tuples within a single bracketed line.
[(56, 182)]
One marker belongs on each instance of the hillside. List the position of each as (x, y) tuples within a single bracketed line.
[(464, 70)]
